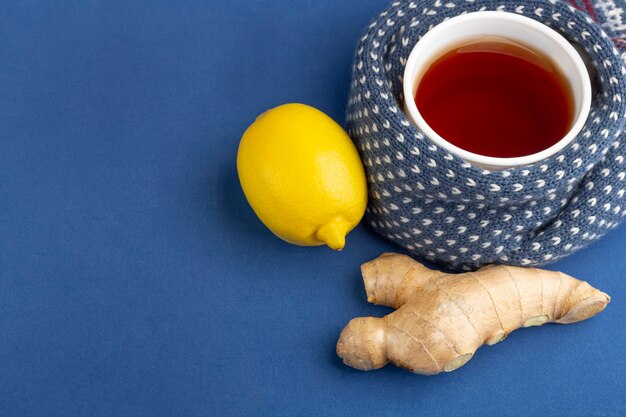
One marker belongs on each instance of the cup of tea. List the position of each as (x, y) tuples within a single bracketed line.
[(497, 89)]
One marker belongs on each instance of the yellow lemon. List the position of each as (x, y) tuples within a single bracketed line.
[(302, 176)]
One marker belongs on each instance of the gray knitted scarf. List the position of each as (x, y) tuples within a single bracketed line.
[(443, 210)]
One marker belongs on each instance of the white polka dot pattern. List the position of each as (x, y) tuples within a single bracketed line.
[(446, 211)]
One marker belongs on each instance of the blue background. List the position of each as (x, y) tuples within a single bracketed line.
[(136, 281)]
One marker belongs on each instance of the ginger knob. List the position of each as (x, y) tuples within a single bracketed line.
[(442, 319)]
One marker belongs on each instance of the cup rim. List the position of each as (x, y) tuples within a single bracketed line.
[(484, 160)]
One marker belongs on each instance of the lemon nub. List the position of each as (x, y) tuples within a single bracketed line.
[(334, 233)]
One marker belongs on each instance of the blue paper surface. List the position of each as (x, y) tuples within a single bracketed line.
[(136, 281)]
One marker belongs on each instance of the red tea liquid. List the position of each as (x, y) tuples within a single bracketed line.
[(496, 97)]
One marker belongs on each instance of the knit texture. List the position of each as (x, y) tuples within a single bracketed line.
[(446, 211)]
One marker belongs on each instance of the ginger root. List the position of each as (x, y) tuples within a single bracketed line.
[(441, 319)]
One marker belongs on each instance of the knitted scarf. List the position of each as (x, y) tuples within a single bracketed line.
[(440, 208)]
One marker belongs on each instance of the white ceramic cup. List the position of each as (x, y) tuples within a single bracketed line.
[(454, 31)]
